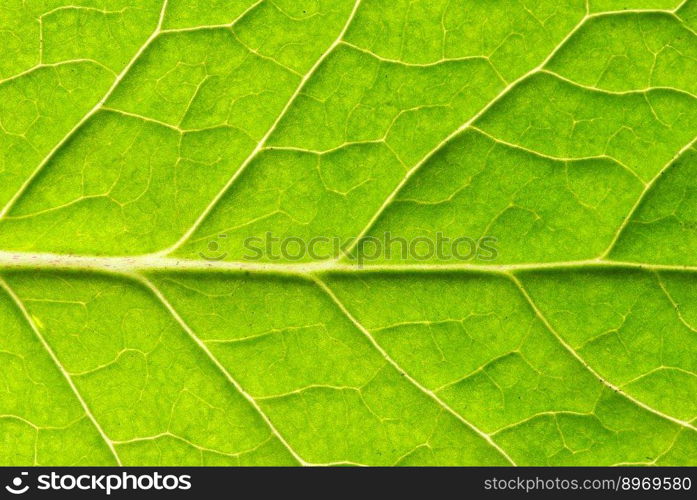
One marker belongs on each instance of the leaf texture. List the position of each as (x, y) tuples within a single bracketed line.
[(134, 133)]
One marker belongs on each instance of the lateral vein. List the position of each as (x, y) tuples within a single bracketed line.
[(260, 145), (163, 300), (575, 354), (8, 206), (27, 317), (487, 437)]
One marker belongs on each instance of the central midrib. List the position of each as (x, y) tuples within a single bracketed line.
[(151, 262)]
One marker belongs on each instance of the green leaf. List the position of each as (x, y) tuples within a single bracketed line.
[(145, 143)]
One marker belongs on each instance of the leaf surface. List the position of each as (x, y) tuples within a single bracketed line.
[(143, 142)]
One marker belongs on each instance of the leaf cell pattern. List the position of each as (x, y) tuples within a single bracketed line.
[(135, 132)]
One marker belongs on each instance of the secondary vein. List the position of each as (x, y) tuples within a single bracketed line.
[(8, 206), (47, 347), (173, 312), (574, 353), (323, 286), (260, 145)]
